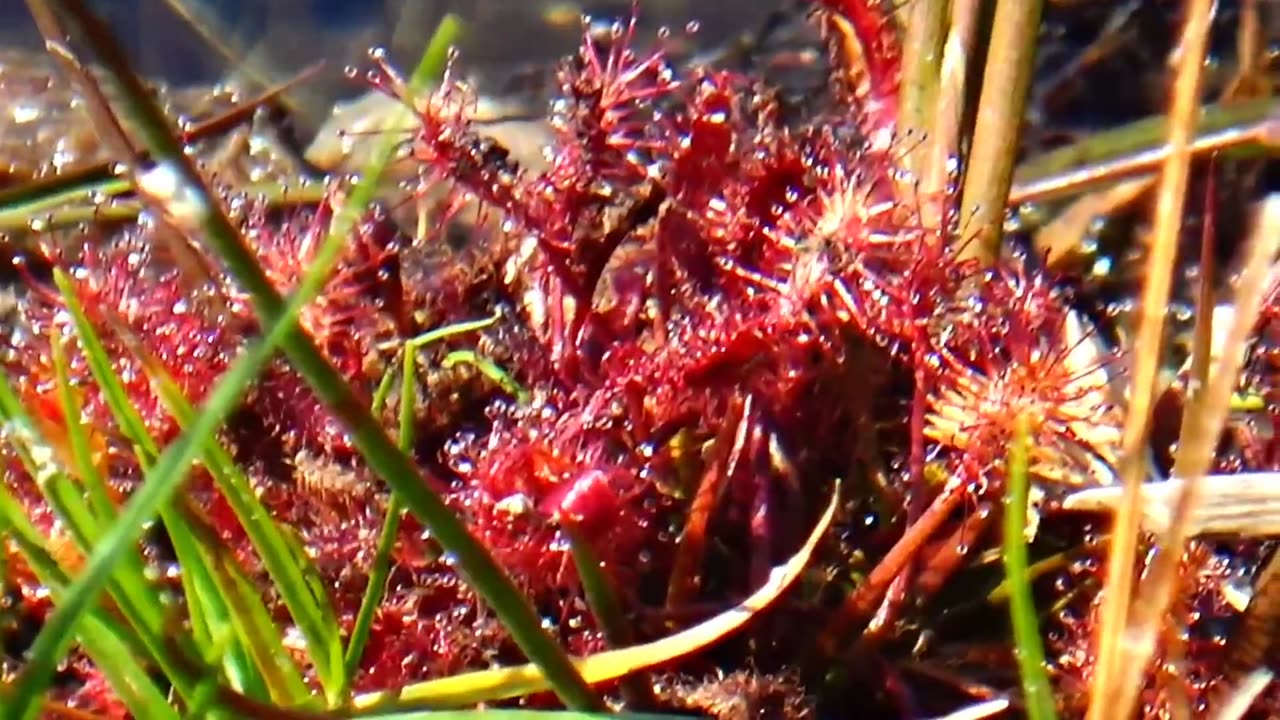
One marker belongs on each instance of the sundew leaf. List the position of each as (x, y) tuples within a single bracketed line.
[(503, 683)]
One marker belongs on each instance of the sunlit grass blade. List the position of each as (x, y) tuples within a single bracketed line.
[(211, 620), (87, 459), (1029, 647), (160, 483), (98, 633), (381, 568), (104, 373), (184, 197), (291, 571), (135, 595), (490, 685), (261, 637), (202, 594)]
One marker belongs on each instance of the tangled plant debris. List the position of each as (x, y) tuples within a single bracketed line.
[(708, 306)]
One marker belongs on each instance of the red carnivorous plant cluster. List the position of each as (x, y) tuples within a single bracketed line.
[(711, 309)]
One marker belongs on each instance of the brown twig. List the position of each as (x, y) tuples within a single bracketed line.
[(1133, 464), (861, 603), (686, 570)]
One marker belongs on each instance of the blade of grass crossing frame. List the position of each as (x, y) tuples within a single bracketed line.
[(161, 482), (183, 192), (291, 571), (96, 632), (1028, 646), (381, 568), (134, 594), (203, 595), (82, 453)]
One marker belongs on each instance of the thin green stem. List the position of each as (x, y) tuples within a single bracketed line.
[(1029, 647)]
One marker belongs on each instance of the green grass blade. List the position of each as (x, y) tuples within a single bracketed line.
[(1029, 647), (186, 195), (103, 371), (97, 633), (159, 486), (381, 569), (257, 631), (211, 618), (291, 571), (395, 509), (203, 597), (135, 595), (489, 369), (78, 439), (197, 579)]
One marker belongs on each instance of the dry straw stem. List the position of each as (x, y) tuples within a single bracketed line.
[(1239, 505), (1254, 639), (1146, 360), (949, 112), (1005, 82), (1263, 132), (1196, 449), (926, 25), (1242, 696)]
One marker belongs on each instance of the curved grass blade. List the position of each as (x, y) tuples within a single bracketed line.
[(291, 571), (134, 594), (1037, 693), (503, 683), (197, 578), (395, 508), (97, 632), (489, 369), (183, 197)]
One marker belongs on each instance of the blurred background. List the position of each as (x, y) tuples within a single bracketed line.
[(202, 41)]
